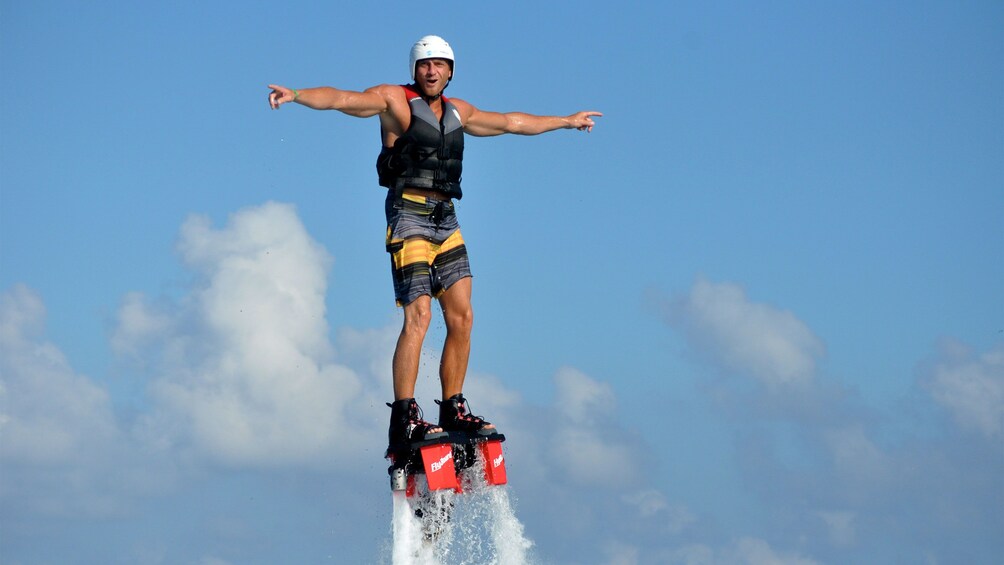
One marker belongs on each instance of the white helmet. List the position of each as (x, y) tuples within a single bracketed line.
[(430, 47)]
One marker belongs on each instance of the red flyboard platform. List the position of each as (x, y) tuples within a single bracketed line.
[(442, 459), (439, 469), (494, 462)]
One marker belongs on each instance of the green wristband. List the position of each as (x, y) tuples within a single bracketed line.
[(296, 94)]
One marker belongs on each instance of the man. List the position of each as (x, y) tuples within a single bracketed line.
[(420, 163)]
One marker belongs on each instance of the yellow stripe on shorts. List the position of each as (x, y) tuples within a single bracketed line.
[(418, 250)]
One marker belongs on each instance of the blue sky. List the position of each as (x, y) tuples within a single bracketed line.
[(754, 317)]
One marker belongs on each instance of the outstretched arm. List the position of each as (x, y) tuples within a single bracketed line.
[(482, 123), (364, 104)]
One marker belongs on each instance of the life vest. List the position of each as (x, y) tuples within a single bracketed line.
[(429, 154)]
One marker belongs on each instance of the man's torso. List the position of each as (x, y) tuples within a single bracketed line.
[(422, 144)]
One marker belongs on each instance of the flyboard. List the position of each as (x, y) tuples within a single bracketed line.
[(442, 460), (429, 480)]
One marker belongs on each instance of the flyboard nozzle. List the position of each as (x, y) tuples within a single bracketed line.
[(398, 479)]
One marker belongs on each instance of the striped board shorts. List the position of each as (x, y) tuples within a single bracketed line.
[(427, 252)]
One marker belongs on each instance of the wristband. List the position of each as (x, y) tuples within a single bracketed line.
[(296, 94)]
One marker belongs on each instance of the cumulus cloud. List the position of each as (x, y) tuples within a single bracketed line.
[(723, 325), (57, 428), (242, 364), (50, 414), (970, 386), (585, 444), (829, 466)]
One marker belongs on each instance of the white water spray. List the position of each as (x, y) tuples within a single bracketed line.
[(476, 527)]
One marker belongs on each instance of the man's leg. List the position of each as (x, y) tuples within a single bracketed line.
[(459, 318), (408, 354)]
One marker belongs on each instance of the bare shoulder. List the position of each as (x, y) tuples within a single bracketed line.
[(465, 108), (389, 92), (396, 119)]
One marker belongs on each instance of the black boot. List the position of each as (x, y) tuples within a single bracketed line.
[(407, 425), (453, 416)]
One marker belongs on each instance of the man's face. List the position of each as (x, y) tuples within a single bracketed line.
[(432, 75)]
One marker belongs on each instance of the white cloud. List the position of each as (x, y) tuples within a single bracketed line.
[(581, 399), (970, 386), (262, 281), (646, 502), (840, 527), (722, 324), (856, 457), (585, 444), (653, 506), (49, 413), (140, 324), (243, 371), (57, 428)]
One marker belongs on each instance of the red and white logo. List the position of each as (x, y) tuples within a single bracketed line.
[(437, 465)]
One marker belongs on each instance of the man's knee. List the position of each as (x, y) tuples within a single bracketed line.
[(459, 319), (417, 316)]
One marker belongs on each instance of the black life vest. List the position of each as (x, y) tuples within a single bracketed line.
[(429, 154)]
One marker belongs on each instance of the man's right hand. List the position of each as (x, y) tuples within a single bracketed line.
[(280, 95)]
